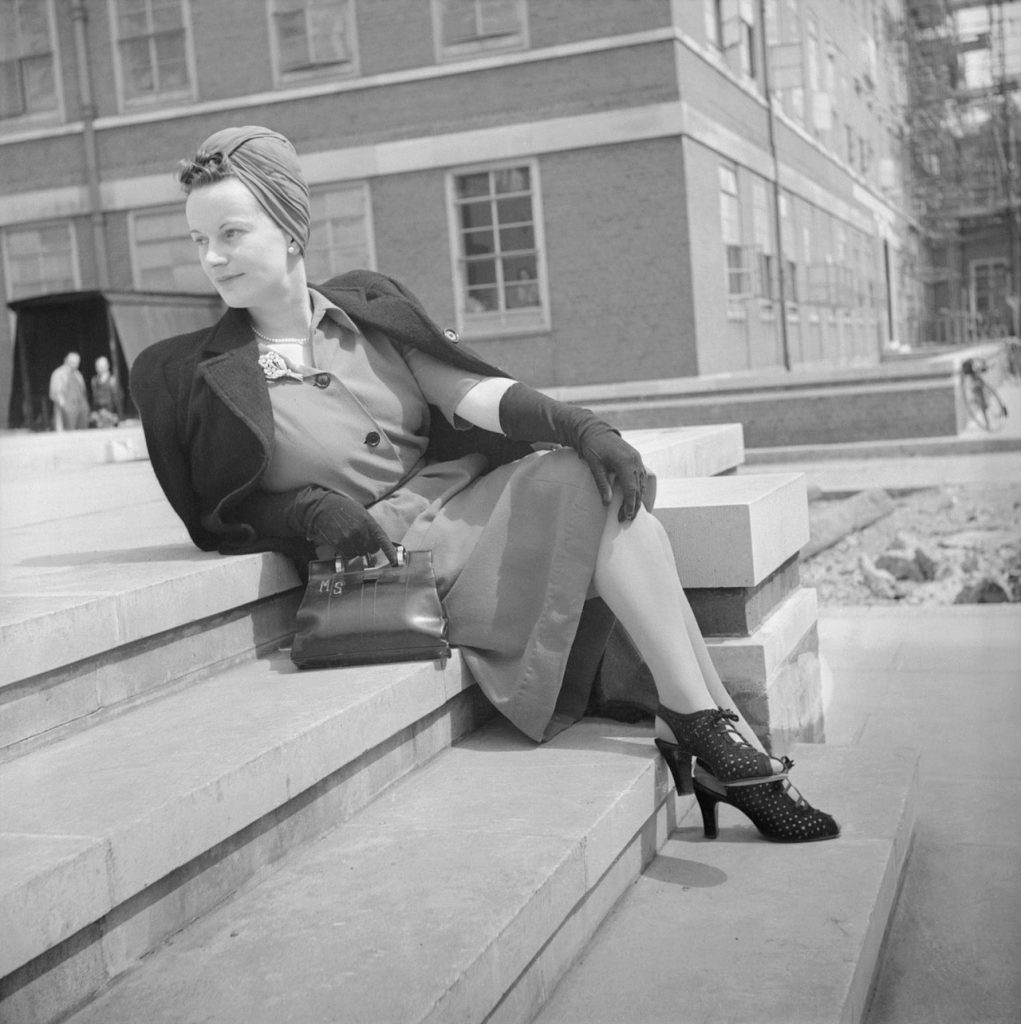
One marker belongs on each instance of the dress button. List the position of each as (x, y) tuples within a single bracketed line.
[(372, 439), (321, 380)]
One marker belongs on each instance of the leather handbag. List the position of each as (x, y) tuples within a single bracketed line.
[(357, 613)]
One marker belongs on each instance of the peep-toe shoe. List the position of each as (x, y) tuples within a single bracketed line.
[(711, 737), (776, 809)]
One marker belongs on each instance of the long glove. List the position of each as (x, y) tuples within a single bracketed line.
[(340, 522), (529, 415), (319, 515)]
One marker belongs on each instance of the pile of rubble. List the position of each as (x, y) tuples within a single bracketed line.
[(908, 561), (942, 546)]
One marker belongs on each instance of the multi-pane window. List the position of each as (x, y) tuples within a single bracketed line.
[(790, 262), (165, 258), (730, 27), (735, 256), (470, 26), (314, 36), (40, 259), (152, 46), (764, 249), (498, 247), (341, 237), (27, 66)]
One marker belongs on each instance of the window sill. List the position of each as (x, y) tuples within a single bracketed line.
[(501, 325)]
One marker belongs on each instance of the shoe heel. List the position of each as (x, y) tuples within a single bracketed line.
[(708, 804), (679, 764)]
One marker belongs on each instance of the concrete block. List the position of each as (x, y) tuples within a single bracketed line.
[(828, 902), (431, 903), (774, 675), (733, 531), (175, 778), (690, 451), (57, 703), (50, 887), (738, 611)]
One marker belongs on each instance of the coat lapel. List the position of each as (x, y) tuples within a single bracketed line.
[(229, 363)]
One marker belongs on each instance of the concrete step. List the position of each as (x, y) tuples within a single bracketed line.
[(464, 893), (750, 932), (127, 831), (104, 601)]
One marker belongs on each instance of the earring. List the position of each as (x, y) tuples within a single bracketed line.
[(292, 248)]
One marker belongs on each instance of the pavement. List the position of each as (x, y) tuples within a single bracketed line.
[(944, 680)]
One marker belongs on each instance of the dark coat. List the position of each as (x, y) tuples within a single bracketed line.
[(208, 422)]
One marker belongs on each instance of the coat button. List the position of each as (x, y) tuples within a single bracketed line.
[(372, 439), (321, 380)]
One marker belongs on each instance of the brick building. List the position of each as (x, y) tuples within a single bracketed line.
[(591, 191)]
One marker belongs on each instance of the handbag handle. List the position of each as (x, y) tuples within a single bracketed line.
[(366, 563)]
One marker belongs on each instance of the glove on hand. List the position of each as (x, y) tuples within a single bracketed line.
[(327, 517), (529, 415)]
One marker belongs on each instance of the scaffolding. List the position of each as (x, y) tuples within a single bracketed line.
[(963, 133)]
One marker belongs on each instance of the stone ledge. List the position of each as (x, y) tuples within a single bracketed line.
[(73, 586), (432, 906), (429, 904), (733, 531), (144, 802), (797, 930)]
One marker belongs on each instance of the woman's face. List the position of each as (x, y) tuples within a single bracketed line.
[(243, 251)]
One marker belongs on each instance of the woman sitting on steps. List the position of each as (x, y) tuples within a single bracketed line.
[(337, 419)]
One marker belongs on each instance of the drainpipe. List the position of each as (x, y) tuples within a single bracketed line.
[(88, 113), (771, 116)]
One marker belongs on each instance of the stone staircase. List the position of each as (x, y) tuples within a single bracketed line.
[(192, 830)]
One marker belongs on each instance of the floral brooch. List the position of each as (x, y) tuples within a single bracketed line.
[(274, 367)]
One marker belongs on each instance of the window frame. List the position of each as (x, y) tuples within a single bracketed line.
[(502, 322), (283, 77), (57, 113), (136, 270), (8, 263), (369, 223), (126, 103), (445, 53)]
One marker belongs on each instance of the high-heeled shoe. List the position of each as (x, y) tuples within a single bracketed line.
[(710, 737), (779, 816)]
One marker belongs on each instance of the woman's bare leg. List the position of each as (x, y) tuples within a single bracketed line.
[(637, 578)]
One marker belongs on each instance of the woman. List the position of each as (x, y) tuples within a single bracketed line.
[(339, 419)]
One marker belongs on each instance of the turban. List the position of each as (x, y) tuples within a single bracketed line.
[(267, 165)]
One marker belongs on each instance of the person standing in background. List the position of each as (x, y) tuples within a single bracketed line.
[(106, 396), (67, 393)]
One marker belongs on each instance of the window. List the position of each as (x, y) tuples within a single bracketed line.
[(766, 284), (730, 27), (497, 225), (165, 259), (714, 22), (314, 37), (152, 49), (790, 265), (40, 259), (27, 67), (341, 237), (465, 27), (736, 257)]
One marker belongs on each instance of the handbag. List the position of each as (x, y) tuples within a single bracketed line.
[(357, 613)]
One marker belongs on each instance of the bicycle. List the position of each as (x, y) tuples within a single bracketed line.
[(981, 399)]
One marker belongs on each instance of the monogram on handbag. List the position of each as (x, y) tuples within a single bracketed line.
[(356, 613)]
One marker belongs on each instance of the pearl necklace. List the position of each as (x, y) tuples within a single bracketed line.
[(282, 341)]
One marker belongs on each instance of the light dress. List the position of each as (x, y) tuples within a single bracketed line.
[(513, 548)]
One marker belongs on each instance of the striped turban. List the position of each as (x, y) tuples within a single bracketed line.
[(266, 163)]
